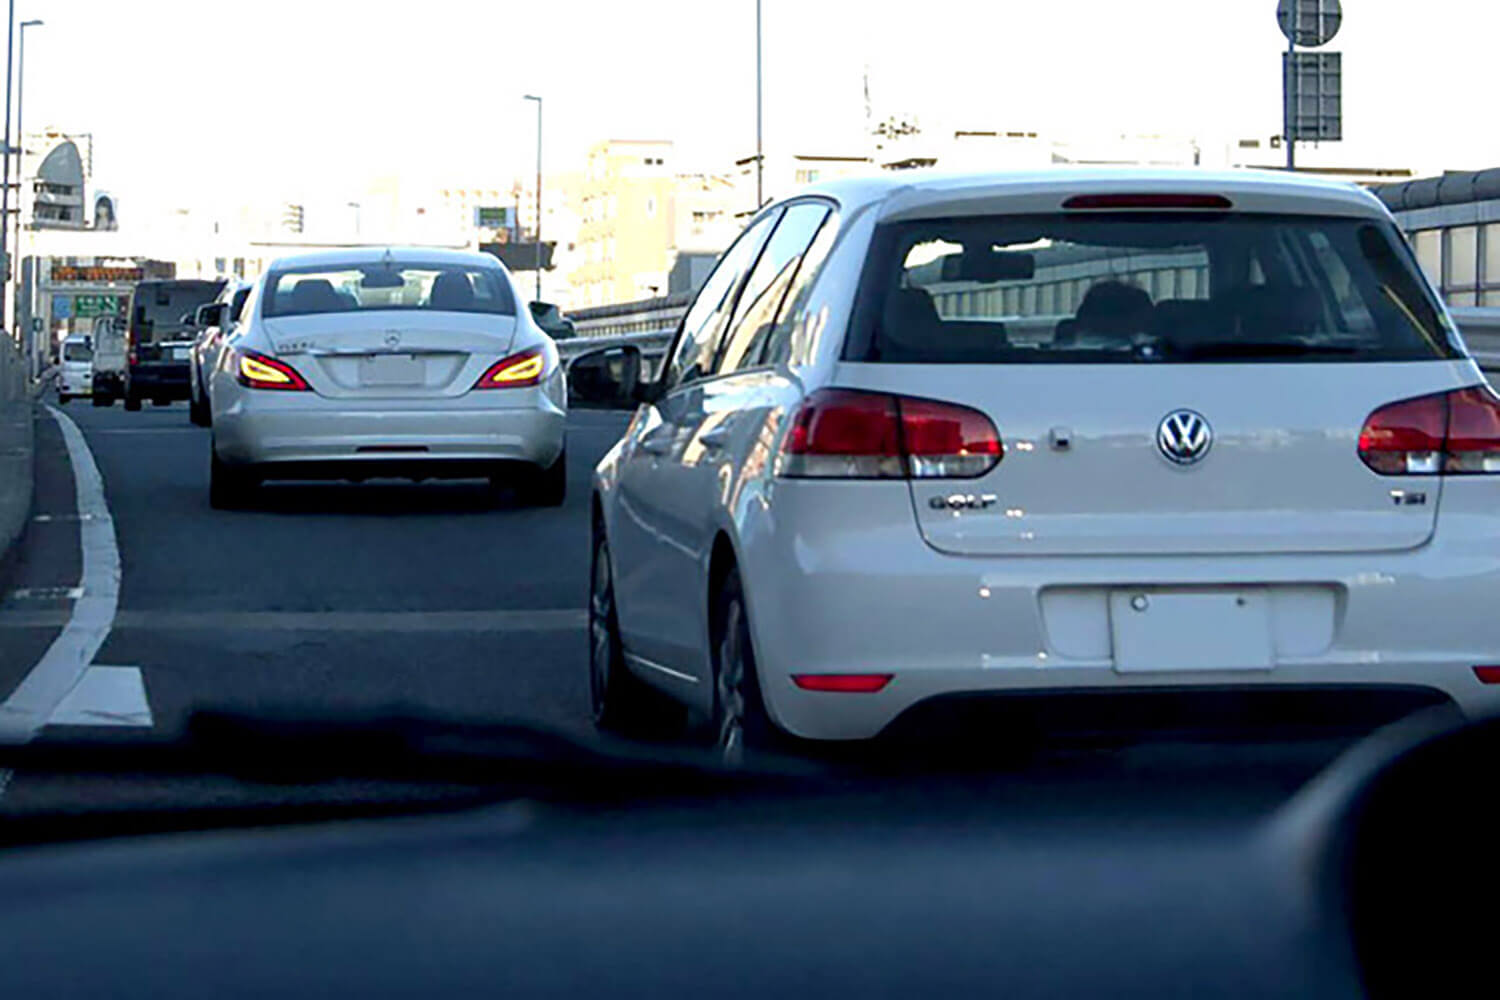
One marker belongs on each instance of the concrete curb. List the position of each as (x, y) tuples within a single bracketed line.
[(16, 447)]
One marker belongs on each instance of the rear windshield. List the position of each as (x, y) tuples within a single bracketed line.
[(363, 288), (1097, 288), (157, 307), (75, 350)]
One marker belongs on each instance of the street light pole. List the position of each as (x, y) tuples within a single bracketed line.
[(10, 46), (760, 156), (21, 146), (533, 97)]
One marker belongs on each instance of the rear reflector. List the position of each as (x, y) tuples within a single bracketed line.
[(1488, 675), (842, 683), (1200, 202), (1453, 433), (849, 434)]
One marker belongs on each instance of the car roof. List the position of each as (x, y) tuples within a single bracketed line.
[(375, 255), (918, 193)]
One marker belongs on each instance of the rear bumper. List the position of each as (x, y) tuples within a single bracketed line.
[(322, 438), (161, 381), (108, 383), (835, 589), (75, 385)]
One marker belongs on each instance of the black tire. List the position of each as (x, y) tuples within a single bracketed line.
[(62, 399), (547, 487), (100, 399), (621, 702), (132, 403), (230, 487), (742, 728), (198, 412), (160, 401)]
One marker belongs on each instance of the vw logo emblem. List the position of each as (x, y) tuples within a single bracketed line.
[(1184, 437), (392, 339)]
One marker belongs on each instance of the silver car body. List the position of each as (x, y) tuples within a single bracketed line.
[(350, 427), (1085, 560), (210, 342)]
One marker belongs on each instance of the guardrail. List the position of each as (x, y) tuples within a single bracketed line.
[(15, 443), (1480, 327), (653, 345)]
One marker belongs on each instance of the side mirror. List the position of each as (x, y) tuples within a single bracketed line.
[(608, 378)]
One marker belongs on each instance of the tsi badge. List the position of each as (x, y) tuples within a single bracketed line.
[(964, 501)]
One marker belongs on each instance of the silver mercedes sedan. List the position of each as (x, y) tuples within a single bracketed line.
[(388, 363)]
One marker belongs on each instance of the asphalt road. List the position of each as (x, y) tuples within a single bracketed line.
[(327, 598)]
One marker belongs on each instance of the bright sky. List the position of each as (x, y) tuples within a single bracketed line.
[(190, 102)]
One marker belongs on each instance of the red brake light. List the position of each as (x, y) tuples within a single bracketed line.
[(515, 372), (842, 683), (1200, 202), (848, 434), (1453, 433), (1487, 675), (134, 358), (261, 371)]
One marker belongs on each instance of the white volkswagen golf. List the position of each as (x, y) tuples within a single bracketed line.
[(1073, 431), (364, 364)]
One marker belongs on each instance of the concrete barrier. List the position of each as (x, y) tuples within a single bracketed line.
[(15, 445)]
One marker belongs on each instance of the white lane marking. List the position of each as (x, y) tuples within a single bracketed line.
[(105, 696), (49, 518), (500, 620), (46, 593), (58, 671)]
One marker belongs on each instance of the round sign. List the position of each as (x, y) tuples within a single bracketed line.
[(1309, 22)]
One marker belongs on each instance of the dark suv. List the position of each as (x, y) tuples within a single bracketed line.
[(161, 343)]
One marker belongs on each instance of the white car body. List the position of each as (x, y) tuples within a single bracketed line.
[(1084, 560), (75, 373), (434, 424)]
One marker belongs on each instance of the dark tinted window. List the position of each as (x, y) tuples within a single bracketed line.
[(237, 305), (1100, 288), (383, 286), (790, 335), (157, 307)]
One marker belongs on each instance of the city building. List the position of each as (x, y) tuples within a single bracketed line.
[(786, 174), (625, 230)]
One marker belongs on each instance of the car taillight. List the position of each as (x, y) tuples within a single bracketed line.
[(133, 358), (842, 683), (1451, 433), (259, 371), (849, 434), (515, 372)]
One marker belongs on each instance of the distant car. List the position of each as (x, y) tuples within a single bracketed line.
[(216, 323), (366, 364), (552, 321), (161, 339), (75, 375), (1088, 434)]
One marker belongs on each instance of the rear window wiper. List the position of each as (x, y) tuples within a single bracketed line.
[(1259, 349)]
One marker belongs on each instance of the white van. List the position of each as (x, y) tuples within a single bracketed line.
[(76, 375)]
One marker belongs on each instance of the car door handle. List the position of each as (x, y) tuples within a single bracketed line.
[(715, 439)]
